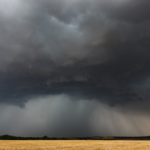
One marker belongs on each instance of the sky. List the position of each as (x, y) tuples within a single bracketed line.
[(74, 67)]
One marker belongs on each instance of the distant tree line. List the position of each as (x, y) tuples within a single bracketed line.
[(10, 137)]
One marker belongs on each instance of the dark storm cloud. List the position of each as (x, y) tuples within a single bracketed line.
[(134, 11), (86, 49), (74, 67)]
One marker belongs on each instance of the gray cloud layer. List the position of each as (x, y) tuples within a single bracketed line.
[(85, 49)]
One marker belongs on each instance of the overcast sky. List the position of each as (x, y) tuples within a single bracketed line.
[(75, 67)]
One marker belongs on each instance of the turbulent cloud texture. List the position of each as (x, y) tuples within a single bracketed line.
[(87, 50)]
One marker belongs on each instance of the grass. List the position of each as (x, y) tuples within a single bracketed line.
[(75, 145)]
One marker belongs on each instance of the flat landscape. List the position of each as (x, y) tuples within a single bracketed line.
[(75, 145)]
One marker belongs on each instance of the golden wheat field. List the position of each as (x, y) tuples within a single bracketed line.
[(75, 145)]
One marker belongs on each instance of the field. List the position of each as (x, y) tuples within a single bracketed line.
[(75, 145)]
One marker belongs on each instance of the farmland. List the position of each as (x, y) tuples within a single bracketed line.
[(74, 145)]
